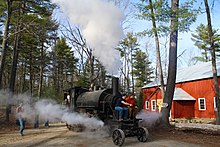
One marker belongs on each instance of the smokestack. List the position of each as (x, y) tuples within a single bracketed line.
[(115, 86)]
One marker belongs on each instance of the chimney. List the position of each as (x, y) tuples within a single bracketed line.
[(115, 86)]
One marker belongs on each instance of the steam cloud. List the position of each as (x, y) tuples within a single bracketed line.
[(48, 109), (100, 22), (149, 119)]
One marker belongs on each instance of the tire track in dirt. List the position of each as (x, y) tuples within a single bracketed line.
[(31, 136)]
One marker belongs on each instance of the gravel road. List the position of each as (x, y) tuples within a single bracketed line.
[(59, 135)]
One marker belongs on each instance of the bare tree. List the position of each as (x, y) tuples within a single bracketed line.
[(168, 98), (156, 37), (75, 37), (214, 69)]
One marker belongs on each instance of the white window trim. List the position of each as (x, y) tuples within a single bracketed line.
[(152, 105), (147, 105), (215, 107), (204, 103)]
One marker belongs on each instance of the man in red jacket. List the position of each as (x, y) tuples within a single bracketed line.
[(130, 100)]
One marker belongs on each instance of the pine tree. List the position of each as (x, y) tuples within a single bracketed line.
[(142, 69), (65, 65), (127, 48), (202, 41)]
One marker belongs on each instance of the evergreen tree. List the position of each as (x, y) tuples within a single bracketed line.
[(127, 48), (202, 41), (65, 65), (142, 69)]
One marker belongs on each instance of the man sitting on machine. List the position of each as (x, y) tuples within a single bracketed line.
[(121, 107), (132, 110)]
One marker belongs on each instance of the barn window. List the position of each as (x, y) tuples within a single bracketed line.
[(147, 104), (153, 105), (202, 105)]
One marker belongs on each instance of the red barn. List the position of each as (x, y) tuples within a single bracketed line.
[(194, 95)]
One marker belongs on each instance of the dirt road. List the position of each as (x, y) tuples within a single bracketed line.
[(59, 135)]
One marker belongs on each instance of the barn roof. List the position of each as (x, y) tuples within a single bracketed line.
[(192, 73), (180, 94)]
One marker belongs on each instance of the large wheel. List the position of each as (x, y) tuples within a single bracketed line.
[(142, 134), (118, 137)]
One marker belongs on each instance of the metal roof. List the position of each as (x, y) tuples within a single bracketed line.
[(180, 94), (195, 72)]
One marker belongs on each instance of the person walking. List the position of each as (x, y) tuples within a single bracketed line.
[(21, 121)]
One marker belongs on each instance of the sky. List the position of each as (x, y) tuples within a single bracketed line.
[(186, 47), (185, 41)]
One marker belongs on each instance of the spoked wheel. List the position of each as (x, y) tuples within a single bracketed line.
[(142, 134), (118, 137)]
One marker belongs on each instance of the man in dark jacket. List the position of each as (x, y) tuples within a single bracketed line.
[(121, 107)]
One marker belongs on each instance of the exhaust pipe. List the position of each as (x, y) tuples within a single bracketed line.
[(115, 86)]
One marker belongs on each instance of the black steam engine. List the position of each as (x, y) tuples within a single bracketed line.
[(101, 104)]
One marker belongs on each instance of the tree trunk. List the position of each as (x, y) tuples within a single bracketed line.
[(24, 74), (13, 72), (15, 56), (128, 75), (61, 77), (132, 74), (125, 71), (55, 75), (13, 66), (21, 81), (31, 75), (5, 39), (159, 65), (168, 98), (58, 80), (214, 69), (41, 72)]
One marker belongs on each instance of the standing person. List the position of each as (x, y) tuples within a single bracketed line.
[(36, 121), (46, 124), (121, 107), (21, 121), (67, 100)]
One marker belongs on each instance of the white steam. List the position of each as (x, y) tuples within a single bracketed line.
[(100, 22), (47, 109), (149, 119), (76, 118), (50, 110)]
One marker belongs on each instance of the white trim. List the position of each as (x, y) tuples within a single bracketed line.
[(147, 105), (215, 107), (200, 103), (153, 108)]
